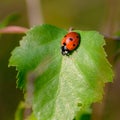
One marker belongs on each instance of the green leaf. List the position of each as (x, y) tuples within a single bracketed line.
[(31, 117), (40, 43), (63, 85), (20, 111)]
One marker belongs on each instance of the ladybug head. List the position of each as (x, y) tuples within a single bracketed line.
[(64, 50)]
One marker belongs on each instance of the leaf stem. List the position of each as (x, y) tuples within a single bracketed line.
[(13, 30), (23, 30), (34, 11), (108, 37)]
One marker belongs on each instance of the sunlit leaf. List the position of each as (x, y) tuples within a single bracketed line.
[(64, 85)]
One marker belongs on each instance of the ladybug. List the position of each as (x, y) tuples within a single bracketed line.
[(69, 43)]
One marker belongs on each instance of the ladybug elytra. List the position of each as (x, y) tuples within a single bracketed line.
[(69, 43)]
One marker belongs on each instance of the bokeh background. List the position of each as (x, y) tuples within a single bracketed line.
[(100, 15)]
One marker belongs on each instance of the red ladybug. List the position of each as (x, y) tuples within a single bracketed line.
[(70, 42)]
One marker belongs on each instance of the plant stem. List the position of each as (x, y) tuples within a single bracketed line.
[(22, 30), (34, 11), (108, 37), (13, 30)]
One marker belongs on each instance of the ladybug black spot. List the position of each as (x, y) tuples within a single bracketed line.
[(74, 45), (64, 43), (77, 36), (71, 39)]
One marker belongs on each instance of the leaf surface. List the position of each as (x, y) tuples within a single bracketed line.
[(64, 84)]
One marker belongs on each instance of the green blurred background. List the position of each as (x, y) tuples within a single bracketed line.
[(101, 15)]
